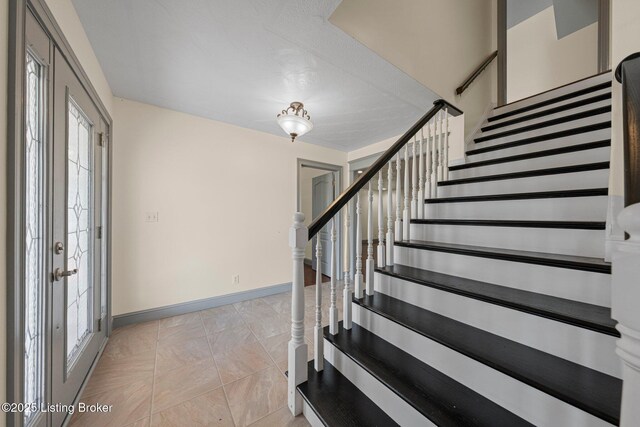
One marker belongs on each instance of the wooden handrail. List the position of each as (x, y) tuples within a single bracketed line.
[(628, 73), (476, 73), (364, 178)]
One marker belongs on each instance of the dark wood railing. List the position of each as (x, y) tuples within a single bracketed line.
[(628, 73), (476, 73), (364, 178)]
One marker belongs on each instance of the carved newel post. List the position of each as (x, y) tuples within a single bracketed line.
[(625, 308), (298, 237)]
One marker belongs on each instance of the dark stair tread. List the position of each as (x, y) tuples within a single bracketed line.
[(540, 138), (547, 123), (550, 101), (592, 391), (589, 316), (590, 192), (596, 265), (534, 155), (528, 173), (338, 402), (554, 110), (439, 398), (573, 225)]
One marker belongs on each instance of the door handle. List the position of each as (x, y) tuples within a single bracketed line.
[(59, 273)]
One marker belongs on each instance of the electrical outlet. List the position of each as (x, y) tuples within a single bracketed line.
[(236, 279), (151, 217)]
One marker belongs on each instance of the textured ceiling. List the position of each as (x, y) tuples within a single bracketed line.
[(243, 61)]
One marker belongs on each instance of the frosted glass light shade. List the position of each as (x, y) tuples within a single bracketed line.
[(294, 125)]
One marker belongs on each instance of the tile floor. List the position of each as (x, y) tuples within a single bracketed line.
[(218, 367)]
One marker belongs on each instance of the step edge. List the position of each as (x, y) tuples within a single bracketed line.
[(595, 327), (554, 194), (564, 225), (573, 265)]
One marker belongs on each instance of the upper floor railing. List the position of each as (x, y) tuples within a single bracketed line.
[(424, 164)]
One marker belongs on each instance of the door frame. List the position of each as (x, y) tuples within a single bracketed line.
[(338, 170), (18, 10)]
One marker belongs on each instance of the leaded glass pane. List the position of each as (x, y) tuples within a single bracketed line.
[(79, 231), (34, 234)]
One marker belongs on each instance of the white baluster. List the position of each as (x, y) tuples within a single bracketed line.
[(428, 164), (381, 253), (446, 145), (434, 158), (318, 339), (347, 291), (333, 309), (440, 148), (390, 238), (398, 199), (414, 178), (406, 214), (370, 262), (624, 308), (297, 349), (421, 192), (358, 288)]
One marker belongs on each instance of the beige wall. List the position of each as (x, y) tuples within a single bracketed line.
[(4, 25), (625, 40), (537, 61), (225, 197), (438, 43)]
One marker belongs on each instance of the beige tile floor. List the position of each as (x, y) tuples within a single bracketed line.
[(218, 367)]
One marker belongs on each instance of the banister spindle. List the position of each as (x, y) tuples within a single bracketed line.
[(406, 214), (333, 310), (358, 279), (434, 158), (446, 145), (381, 254), (297, 349), (369, 265), (440, 149), (347, 291), (318, 339), (414, 178), (421, 192), (428, 164), (390, 238), (398, 199)]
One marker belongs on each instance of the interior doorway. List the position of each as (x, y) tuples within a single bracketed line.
[(318, 185)]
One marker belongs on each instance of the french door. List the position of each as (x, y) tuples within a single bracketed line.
[(64, 252), (76, 273)]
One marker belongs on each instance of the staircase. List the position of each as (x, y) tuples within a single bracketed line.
[(496, 311)]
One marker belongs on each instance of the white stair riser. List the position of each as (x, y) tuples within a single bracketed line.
[(567, 159), (549, 107), (554, 93), (588, 243), (527, 402), (548, 117), (393, 405), (310, 415), (579, 345), (598, 178), (582, 138), (556, 209), (600, 118), (578, 285)]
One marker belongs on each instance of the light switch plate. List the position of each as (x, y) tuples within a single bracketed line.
[(151, 217)]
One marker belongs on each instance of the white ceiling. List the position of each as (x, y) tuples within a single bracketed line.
[(242, 61)]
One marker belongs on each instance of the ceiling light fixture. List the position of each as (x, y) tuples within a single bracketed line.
[(295, 120)]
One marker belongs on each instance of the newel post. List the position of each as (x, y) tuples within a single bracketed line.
[(624, 308), (297, 368)]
